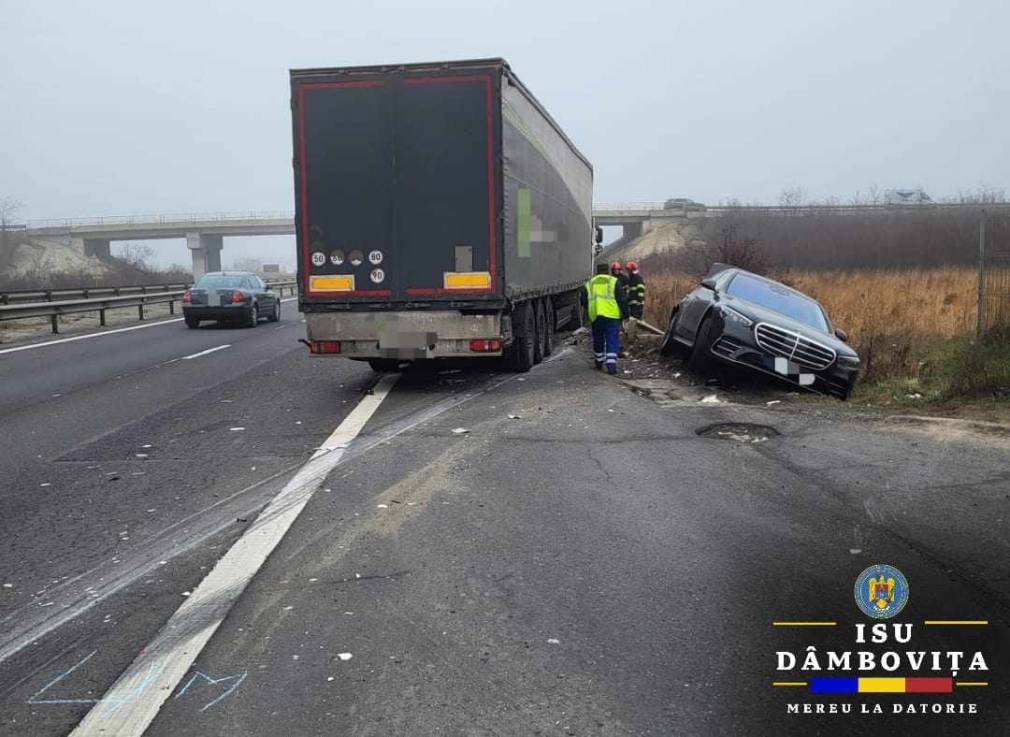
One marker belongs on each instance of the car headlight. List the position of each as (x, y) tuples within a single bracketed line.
[(848, 362), (733, 316)]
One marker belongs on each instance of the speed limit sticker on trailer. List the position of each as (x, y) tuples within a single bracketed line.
[(318, 258)]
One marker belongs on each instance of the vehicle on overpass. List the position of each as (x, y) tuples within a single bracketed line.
[(440, 212), (236, 297), (743, 319)]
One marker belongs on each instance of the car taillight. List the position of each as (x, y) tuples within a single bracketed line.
[(324, 346), (485, 345), (237, 297), (187, 298)]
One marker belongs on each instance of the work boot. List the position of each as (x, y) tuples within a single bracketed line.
[(599, 365), (611, 369)]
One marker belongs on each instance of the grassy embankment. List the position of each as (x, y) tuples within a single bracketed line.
[(914, 330)]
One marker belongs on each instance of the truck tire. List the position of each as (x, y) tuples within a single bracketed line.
[(551, 322), (541, 325), (524, 333)]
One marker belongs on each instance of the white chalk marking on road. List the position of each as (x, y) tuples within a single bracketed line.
[(180, 641), (191, 356)]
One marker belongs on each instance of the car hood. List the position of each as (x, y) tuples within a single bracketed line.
[(757, 313)]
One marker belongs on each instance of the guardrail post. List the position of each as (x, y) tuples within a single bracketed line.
[(55, 324), (140, 311), (101, 318), (171, 307)]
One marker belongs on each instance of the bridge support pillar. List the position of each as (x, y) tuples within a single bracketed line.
[(631, 230), (99, 247), (206, 251)]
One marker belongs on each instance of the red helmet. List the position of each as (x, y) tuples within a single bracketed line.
[(631, 266), (616, 266)]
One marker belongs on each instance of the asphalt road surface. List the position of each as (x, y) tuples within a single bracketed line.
[(471, 552)]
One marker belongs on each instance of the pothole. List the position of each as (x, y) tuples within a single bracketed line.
[(741, 432)]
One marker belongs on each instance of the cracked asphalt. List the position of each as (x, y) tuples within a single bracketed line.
[(590, 565)]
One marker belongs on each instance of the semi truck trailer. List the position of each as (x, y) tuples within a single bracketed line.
[(440, 212)]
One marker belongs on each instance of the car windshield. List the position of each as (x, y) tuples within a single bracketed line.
[(218, 281), (779, 298)]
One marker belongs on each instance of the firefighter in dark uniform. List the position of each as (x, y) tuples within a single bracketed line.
[(636, 290), (617, 271)]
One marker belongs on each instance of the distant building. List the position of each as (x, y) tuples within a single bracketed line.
[(907, 197), (271, 268)]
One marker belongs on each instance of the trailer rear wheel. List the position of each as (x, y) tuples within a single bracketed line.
[(541, 327), (551, 326), (524, 337)]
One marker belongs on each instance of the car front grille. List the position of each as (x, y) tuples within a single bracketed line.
[(797, 348)]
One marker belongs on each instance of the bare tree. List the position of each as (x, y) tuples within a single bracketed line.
[(792, 197), (9, 208), (136, 255)]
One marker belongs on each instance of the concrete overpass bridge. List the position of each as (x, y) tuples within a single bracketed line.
[(205, 233)]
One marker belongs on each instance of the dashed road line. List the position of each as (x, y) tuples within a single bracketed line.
[(191, 356)]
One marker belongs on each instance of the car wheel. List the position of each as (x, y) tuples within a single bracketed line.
[(669, 345), (276, 314), (701, 354), (253, 318), (541, 328), (524, 333), (549, 326), (191, 322)]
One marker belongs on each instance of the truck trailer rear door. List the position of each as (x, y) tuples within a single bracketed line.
[(397, 187)]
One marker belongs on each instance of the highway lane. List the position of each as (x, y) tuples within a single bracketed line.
[(135, 465), (591, 565)]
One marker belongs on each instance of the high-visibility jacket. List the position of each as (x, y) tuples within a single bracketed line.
[(602, 298)]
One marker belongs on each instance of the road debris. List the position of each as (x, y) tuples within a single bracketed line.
[(345, 656), (460, 431)]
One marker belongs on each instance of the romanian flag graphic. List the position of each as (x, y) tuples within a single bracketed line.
[(853, 684)]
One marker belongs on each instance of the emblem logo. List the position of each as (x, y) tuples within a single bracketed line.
[(881, 591)]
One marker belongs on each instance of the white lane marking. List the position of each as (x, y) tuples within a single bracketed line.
[(104, 332), (90, 335), (135, 698), (191, 356)]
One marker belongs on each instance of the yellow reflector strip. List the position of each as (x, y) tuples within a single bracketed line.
[(336, 283), (467, 279), (881, 685)]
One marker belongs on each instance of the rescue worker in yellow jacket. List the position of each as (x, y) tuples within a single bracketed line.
[(607, 304)]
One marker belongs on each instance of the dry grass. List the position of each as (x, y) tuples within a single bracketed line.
[(934, 302), (914, 327)]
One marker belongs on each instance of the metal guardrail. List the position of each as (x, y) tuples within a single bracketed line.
[(15, 296), (140, 298)]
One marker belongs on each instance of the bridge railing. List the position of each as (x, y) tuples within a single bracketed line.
[(162, 219)]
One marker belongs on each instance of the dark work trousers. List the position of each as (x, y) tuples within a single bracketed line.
[(606, 338)]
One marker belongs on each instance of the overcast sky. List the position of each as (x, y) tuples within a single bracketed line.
[(110, 107)]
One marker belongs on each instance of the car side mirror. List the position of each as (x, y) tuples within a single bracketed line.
[(841, 335), (708, 284)]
